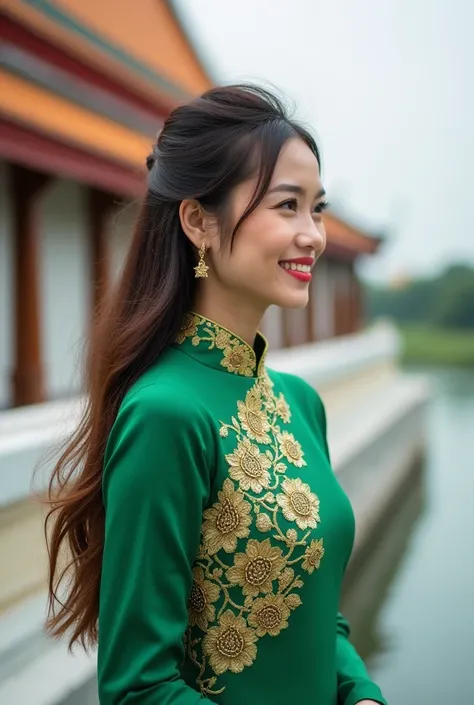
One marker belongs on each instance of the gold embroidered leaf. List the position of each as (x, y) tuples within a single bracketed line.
[(269, 454), (201, 552), (269, 498), (280, 467), (291, 535), (285, 578), (264, 523), (298, 583), (235, 423), (248, 601), (223, 431), (293, 601), (217, 573)]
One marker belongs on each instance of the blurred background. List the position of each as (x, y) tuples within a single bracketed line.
[(388, 337)]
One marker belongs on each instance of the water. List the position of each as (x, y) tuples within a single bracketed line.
[(412, 607), (418, 635)]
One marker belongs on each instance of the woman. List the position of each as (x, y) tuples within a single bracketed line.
[(208, 534)]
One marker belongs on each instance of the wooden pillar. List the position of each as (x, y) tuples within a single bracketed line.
[(312, 312), (358, 314), (100, 206), (28, 374), (337, 301)]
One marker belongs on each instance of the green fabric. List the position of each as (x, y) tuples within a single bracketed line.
[(227, 535)]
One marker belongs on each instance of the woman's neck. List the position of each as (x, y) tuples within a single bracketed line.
[(235, 316)]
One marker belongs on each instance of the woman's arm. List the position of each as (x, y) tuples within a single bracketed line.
[(156, 485)]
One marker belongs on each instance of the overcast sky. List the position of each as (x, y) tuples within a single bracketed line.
[(388, 88)]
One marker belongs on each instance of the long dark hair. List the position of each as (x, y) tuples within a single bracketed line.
[(204, 150)]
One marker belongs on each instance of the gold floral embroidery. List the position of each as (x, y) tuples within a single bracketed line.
[(189, 328), (228, 520), (299, 504), (282, 409), (238, 359), (269, 615), (253, 418), (231, 645), (203, 594), (249, 466), (257, 568), (237, 356), (255, 588), (291, 449), (313, 556)]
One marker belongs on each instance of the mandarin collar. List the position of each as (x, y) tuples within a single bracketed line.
[(216, 346)]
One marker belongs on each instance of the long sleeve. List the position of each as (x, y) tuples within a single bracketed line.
[(156, 483), (354, 683)]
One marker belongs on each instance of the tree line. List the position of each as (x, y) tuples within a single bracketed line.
[(444, 301)]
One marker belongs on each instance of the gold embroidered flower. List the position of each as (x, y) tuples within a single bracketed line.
[(239, 359), (313, 556), (291, 449), (249, 467), (256, 569), (253, 418), (222, 338), (200, 605), (231, 645), (189, 328), (227, 520), (299, 504), (282, 409), (269, 615)]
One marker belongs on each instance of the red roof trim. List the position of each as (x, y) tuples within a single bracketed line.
[(33, 149)]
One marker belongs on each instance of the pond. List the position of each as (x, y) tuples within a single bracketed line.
[(416, 630)]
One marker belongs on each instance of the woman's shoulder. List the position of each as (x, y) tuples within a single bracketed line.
[(295, 385), (164, 391)]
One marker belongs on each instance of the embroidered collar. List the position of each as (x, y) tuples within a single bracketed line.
[(217, 347)]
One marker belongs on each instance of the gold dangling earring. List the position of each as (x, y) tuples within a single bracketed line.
[(201, 268)]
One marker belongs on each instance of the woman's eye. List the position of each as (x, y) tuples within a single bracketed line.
[(291, 204), (321, 207)]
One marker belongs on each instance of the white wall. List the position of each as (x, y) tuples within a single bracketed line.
[(65, 285), (6, 292)]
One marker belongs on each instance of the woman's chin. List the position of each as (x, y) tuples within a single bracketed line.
[(292, 300)]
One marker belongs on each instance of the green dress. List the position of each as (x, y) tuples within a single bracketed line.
[(226, 538)]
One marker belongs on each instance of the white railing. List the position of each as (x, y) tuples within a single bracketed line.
[(28, 433)]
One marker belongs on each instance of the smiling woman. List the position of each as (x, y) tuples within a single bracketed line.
[(208, 534)]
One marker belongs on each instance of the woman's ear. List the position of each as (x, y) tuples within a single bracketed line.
[(197, 225)]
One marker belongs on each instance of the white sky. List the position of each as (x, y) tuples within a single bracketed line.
[(388, 88)]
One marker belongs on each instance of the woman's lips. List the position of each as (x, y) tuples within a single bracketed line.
[(299, 267)]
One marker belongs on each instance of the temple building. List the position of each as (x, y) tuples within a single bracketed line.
[(84, 90)]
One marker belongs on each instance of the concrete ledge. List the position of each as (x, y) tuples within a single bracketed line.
[(27, 434)]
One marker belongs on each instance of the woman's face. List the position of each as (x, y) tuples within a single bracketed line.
[(276, 247)]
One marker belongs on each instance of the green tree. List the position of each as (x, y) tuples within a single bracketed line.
[(455, 308)]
